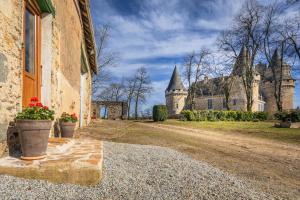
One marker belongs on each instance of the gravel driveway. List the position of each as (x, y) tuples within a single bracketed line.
[(140, 172)]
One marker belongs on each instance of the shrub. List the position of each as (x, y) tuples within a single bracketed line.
[(160, 113), (261, 116), (222, 115), (294, 116), (188, 115)]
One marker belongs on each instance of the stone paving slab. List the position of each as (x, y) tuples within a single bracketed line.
[(77, 161)]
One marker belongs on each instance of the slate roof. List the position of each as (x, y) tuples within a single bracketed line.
[(175, 82), (241, 61), (210, 87)]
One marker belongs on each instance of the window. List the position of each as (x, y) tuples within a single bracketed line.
[(209, 104), (224, 103), (176, 105), (29, 42), (261, 107), (234, 102)]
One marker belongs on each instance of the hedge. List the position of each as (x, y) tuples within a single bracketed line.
[(220, 115), (160, 113), (294, 116)]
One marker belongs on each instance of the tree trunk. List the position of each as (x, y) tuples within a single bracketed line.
[(136, 107), (129, 106)]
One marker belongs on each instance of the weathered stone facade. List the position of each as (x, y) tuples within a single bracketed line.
[(114, 109), (66, 59), (210, 94), (10, 62), (175, 95)]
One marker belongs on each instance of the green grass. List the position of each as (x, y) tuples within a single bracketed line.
[(260, 129)]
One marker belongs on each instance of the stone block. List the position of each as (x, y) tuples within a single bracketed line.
[(76, 161)]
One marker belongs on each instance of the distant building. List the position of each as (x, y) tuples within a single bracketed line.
[(210, 93), (175, 94)]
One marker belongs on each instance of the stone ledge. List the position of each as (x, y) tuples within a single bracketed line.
[(77, 161)]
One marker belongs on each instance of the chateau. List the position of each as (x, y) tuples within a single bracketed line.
[(210, 94)]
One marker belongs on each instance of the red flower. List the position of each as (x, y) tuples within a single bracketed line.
[(39, 104), (74, 116), (34, 99), (31, 105), (46, 107)]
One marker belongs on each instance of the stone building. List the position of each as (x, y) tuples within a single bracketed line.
[(175, 94), (112, 109), (210, 93), (47, 50)]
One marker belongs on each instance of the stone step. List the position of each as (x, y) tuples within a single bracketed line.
[(77, 161)]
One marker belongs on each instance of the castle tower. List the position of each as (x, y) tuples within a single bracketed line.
[(287, 87), (175, 94), (241, 61)]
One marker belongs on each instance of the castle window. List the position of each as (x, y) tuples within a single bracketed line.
[(234, 102), (261, 107), (176, 105), (224, 103), (209, 104)]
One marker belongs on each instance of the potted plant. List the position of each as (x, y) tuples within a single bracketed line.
[(67, 124), (34, 125)]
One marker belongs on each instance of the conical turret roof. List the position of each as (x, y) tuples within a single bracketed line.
[(276, 61), (241, 61), (175, 82)]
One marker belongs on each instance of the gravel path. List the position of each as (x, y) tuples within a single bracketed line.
[(140, 172)]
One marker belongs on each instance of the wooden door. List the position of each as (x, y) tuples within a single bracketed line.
[(31, 53)]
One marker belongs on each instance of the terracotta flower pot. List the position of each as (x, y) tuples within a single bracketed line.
[(67, 129), (34, 136)]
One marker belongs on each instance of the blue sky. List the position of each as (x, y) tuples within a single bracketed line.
[(157, 34)]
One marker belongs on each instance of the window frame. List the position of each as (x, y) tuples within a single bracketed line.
[(33, 7), (209, 104)]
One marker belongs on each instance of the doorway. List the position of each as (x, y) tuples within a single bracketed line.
[(31, 53)]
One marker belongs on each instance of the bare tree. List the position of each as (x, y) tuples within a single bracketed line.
[(113, 92), (143, 88), (202, 65), (105, 58), (197, 66), (189, 62), (283, 36), (291, 31), (130, 87), (247, 31)]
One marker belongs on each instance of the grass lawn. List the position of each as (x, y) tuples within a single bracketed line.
[(259, 129)]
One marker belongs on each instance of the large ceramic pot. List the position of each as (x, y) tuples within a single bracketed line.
[(67, 129), (34, 136)]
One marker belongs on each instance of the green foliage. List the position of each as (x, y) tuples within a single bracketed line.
[(261, 116), (220, 115), (294, 116), (65, 117), (188, 115), (36, 113), (160, 113)]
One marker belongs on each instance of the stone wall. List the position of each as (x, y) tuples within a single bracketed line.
[(66, 63), (115, 110), (237, 98), (175, 102), (62, 42), (288, 87), (10, 62), (68, 44)]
